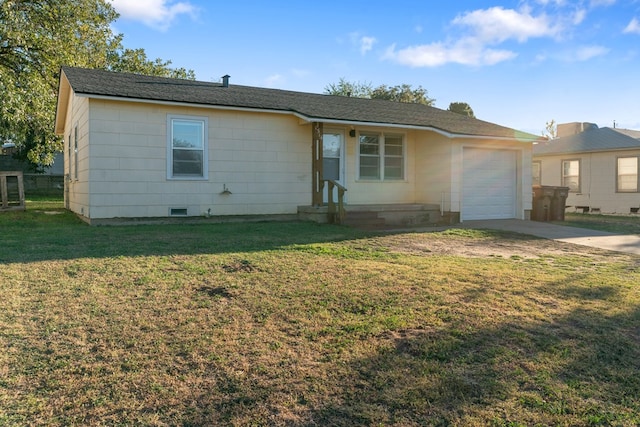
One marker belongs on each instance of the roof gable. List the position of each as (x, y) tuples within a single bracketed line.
[(309, 106)]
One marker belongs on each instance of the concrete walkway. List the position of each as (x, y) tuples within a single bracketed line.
[(579, 236)]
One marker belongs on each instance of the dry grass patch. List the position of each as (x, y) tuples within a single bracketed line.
[(300, 325)]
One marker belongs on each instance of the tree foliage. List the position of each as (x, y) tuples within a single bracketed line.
[(37, 37), (550, 130), (461, 108), (347, 88), (399, 93)]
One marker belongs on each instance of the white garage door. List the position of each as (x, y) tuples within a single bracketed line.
[(488, 184)]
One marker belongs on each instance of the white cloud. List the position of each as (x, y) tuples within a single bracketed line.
[(579, 16), (158, 14), (464, 52), (363, 43), (596, 3), (274, 80), (496, 24), (366, 44), (483, 30), (587, 52), (633, 27)]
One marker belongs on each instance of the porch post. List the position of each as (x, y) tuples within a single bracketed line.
[(316, 166)]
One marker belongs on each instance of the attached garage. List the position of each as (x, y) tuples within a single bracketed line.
[(489, 184)]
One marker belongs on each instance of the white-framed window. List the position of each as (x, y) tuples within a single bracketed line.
[(627, 172), (571, 175), (69, 158), (75, 152), (536, 172), (187, 147), (381, 156)]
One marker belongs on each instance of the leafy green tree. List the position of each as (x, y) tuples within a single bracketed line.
[(347, 88), (400, 93), (37, 37), (461, 108)]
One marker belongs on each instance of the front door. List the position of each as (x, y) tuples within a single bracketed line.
[(332, 160)]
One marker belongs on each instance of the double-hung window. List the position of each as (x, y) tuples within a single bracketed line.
[(381, 157), (187, 147), (627, 170), (571, 175)]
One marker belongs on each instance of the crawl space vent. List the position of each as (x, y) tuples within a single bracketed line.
[(177, 211)]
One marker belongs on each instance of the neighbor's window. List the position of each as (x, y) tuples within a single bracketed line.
[(381, 157), (187, 157), (571, 175), (628, 174), (536, 178)]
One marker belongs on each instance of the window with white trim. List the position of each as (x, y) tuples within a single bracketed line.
[(627, 171), (187, 147), (571, 175), (75, 152), (381, 156)]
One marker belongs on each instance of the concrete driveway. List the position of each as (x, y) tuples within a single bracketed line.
[(579, 236)]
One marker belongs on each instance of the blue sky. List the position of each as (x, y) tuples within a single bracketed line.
[(517, 63)]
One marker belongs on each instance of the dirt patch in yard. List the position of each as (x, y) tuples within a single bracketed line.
[(484, 244)]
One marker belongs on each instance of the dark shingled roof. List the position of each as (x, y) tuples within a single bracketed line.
[(315, 107), (598, 139), (629, 132)]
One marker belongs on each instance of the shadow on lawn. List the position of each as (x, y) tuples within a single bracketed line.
[(581, 369), (72, 241), (578, 369)]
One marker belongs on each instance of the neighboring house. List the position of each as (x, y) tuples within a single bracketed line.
[(139, 147), (599, 165), (629, 132)]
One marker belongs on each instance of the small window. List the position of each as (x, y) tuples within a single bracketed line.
[(571, 175), (187, 157), (627, 174), (381, 157), (75, 153), (536, 177)]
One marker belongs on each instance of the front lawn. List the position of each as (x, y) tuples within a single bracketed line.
[(298, 324)]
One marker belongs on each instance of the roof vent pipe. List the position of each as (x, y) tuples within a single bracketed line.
[(225, 80)]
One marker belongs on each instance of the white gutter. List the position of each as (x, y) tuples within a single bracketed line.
[(304, 117), (416, 127)]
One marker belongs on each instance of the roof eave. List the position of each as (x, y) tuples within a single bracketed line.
[(64, 93), (451, 135), (304, 117)]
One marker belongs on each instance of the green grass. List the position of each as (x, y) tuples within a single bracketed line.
[(624, 224), (298, 324)]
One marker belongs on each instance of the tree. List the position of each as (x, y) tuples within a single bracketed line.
[(461, 108), (346, 88), (550, 130), (400, 93), (37, 37)]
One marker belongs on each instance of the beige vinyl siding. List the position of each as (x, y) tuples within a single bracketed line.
[(263, 159), (433, 169), (76, 167), (598, 179)]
